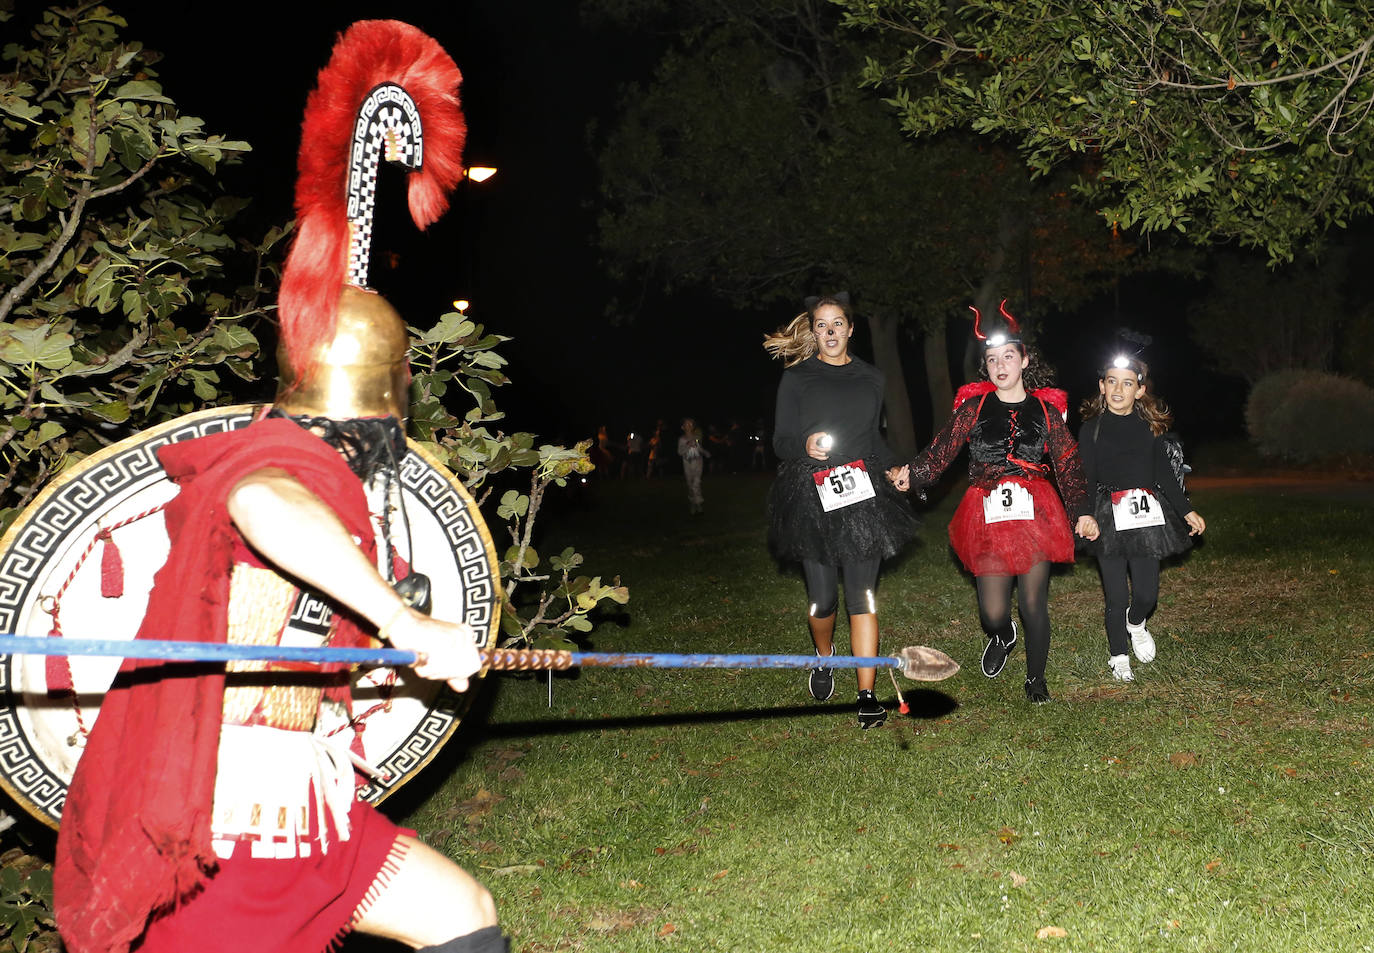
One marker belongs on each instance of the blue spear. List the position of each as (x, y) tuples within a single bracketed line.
[(916, 662)]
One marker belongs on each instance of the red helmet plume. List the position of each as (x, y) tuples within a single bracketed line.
[(387, 80)]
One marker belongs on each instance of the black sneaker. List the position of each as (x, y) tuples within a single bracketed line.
[(996, 652), (871, 711), (1037, 692), (821, 682)]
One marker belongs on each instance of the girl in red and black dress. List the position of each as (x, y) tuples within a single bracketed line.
[(1011, 523)]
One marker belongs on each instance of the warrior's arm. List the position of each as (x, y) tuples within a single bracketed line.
[(299, 534)]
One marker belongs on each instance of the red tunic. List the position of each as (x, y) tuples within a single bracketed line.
[(135, 834)]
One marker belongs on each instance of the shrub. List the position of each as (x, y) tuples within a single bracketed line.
[(1309, 415)]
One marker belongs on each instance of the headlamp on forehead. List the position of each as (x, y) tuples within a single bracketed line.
[(1121, 360)]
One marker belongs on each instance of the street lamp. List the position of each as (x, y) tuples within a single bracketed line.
[(461, 305)]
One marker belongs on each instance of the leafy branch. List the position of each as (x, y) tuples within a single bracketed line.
[(540, 608)]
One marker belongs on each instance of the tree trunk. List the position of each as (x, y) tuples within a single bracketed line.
[(991, 290), (938, 382), (901, 431)]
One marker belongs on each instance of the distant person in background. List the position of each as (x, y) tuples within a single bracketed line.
[(602, 455), (633, 463), (716, 441), (830, 508), (655, 460), (758, 441), (693, 453), (1139, 503)]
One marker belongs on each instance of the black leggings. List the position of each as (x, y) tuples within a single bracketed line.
[(1033, 599), (823, 591), (1141, 594)]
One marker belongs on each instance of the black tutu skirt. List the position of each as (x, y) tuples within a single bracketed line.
[(1158, 542), (799, 528)]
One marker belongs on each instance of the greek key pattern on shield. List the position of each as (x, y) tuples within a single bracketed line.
[(27, 776), (75, 500), (413, 753), (464, 537)]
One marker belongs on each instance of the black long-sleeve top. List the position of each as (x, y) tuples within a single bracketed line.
[(1023, 439), (1120, 452), (844, 401)]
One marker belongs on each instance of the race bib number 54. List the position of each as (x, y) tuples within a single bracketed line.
[(1008, 501), (843, 485), (1136, 509)]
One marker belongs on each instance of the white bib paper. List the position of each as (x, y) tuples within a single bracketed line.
[(1137, 509), (843, 485), (1008, 501)]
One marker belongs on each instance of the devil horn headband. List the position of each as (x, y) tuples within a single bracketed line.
[(389, 92), (1011, 336)]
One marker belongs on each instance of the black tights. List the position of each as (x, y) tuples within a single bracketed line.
[(1033, 600), (1141, 593)]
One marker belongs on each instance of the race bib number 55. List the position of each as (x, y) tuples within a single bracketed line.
[(1008, 501), (843, 485)]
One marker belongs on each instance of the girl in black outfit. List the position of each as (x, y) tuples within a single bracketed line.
[(1141, 508), (830, 508), (1011, 524)]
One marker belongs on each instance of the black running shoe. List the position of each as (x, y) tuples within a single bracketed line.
[(821, 682), (996, 652), (871, 711), (1037, 692)]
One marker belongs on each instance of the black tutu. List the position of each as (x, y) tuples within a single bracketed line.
[(1158, 542), (799, 528)]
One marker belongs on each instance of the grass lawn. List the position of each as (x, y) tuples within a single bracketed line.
[(1220, 802)]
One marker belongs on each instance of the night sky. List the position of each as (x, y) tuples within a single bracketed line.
[(521, 246)]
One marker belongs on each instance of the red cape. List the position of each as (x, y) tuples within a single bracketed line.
[(135, 834)]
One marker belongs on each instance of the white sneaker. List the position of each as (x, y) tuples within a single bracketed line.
[(1121, 668), (1141, 640)]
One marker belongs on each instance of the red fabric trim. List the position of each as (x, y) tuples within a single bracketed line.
[(1053, 395), (135, 835), (970, 391)]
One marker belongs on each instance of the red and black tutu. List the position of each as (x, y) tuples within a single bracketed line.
[(1012, 547)]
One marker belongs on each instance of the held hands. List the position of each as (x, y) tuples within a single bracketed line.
[(900, 477), (814, 447), (1196, 524), (447, 649), (1087, 528)]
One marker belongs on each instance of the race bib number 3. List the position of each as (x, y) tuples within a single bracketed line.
[(843, 485), (1008, 501), (1137, 509)]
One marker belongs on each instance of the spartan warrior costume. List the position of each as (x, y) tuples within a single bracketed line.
[(212, 809)]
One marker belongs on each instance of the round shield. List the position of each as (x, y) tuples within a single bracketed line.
[(52, 559)]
